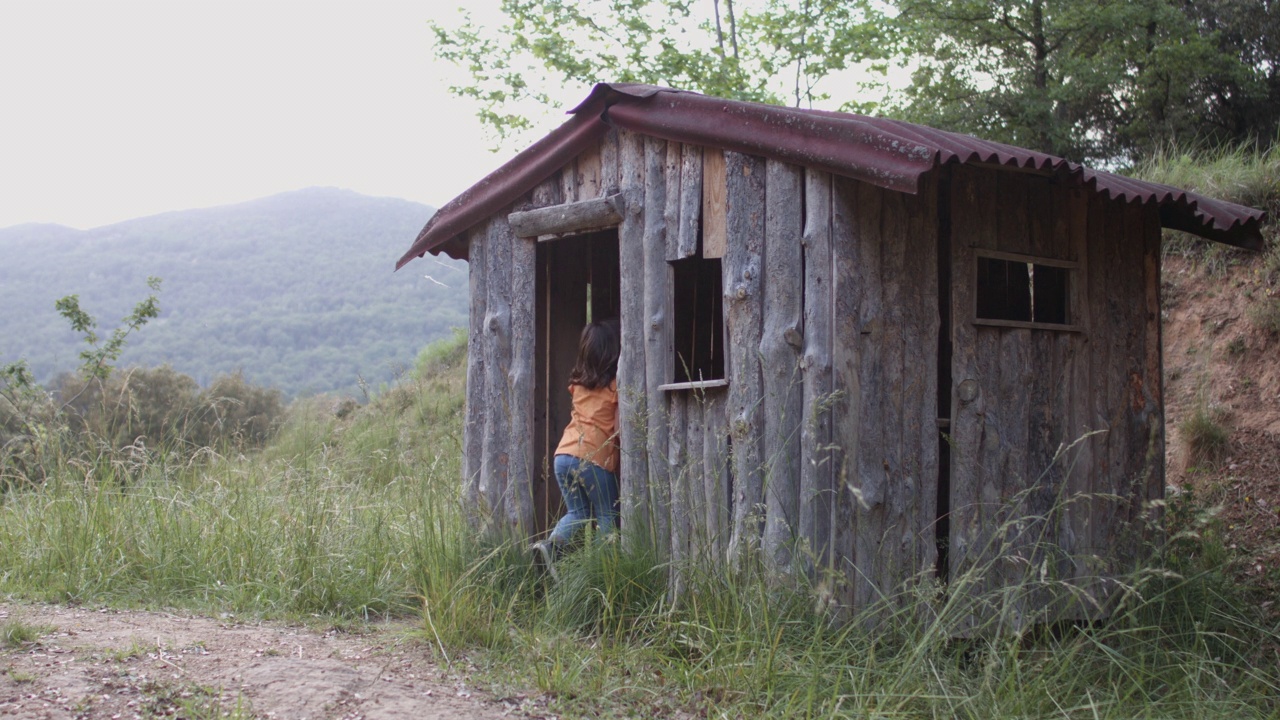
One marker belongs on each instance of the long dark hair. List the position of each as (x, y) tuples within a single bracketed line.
[(598, 349)]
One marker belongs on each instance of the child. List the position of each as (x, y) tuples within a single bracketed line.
[(586, 461)]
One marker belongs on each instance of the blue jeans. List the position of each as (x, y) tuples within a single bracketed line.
[(588, 491)]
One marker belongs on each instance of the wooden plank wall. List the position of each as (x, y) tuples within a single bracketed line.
[(884, 378), (1057, 436)]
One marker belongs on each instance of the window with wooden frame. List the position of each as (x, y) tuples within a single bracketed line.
[(1023, 291), (698, 323)]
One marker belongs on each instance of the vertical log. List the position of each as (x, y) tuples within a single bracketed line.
[(743, 289), (717, 480), (546, 493), (816, 472), (676, 461), (659, 352), (633, 433), (780, 344), (610, 162), (496, 460), (694, 512), (476, 506), (520, 387), (690, 201), (866, 340), (672, 201)]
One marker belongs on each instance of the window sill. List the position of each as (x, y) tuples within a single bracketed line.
[(1027, 325), (695, 385)]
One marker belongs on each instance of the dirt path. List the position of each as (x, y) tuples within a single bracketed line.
[(123, 664)]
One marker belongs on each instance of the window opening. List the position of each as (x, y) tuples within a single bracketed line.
[(698, 325), (1022, 291)]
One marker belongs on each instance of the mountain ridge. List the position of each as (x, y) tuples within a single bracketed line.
[(295, 289)]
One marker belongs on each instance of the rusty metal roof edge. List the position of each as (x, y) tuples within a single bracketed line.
[(892, 154)]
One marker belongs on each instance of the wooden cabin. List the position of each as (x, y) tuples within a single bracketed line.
[(849, 345)]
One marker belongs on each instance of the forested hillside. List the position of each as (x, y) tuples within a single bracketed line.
[(296, 290)]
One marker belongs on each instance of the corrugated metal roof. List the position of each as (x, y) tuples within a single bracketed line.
[(888, 153)]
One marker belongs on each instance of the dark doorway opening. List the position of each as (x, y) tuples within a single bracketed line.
[(577, 282)]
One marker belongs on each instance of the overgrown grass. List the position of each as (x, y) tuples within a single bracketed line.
[(1240, 174), (606, 639), (334, 518), (1204, 437), (361, 516)]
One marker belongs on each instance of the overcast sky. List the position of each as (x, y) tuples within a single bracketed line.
[(111, 110)]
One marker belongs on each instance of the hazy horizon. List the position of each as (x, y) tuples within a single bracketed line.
[(134, 108)]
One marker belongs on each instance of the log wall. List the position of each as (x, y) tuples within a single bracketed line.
[(820, 451)]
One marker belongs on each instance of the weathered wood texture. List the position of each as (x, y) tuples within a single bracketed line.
[(714, 202), (817, 471), (551, 221), (473, 423), (743, 268), (659, 353), (781, 342), (1057, 436), (521, 388), (637, 514), (677, 461), (690, 200), (717, 477), (884, 375), (496, 347), (823, 448)]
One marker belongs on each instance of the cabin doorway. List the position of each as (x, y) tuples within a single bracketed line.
[(578, 281)]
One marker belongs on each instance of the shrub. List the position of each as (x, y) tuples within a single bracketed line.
[(152, 405), (1203, 436), (233, 409), (1264, 314)]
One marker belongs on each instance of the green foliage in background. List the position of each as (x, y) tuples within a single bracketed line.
[(296, 291), (101, 420), (1090, 80)]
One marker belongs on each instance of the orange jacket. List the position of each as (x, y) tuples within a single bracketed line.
[(592, 433)]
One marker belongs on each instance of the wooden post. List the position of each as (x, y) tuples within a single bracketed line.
[(856, 330), (816, 471), (658, 350), (495, 463), (520, 388), (717, 481), (743, 288), (475, 506), (780, 346), (695, 515), (676, 461), (636, 512)]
